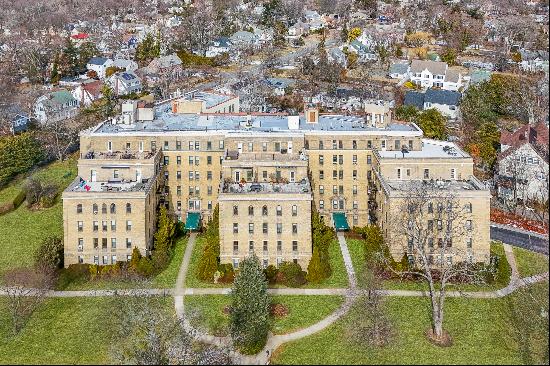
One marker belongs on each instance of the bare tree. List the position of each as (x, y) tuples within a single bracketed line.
[(61, 137), (26, 289), (151, 335), (431, 221)]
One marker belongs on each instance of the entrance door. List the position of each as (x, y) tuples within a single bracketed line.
[(93, 177)]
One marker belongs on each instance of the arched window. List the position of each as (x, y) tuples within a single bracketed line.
[(128, 207), (251, 210), (79, 208), (264, 210), (104, 208), (113, 208), (94, 208)]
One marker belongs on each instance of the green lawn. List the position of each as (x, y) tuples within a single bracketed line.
[(191, 279), (64, 331), (339, 277), (165, 279), (207, 312), (481, 330), (22, 230), (61, 331), (530, 263)]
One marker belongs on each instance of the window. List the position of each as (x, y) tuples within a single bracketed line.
[(340, 159), (279, 246), (321, 145), (334, 145), (355, 205), (209, 175), (354, 190), (264, 263), (321, 159), (439, 225), (369, 159), (235, 228), (430, 225), (221, 144), (250, 146), (235, 210), (208, 145), (104, 225), (334, 159), (250, 210), (209, 190), (279, 211), (369, 144), (354, 174), (397, 145), (468, 224), (469, 243), (113, 208), (115, 173), (251, 228), (294, 228), (79, 208), (80, 225), (95, 225), (334, 189), (251, 245), (80, 244), (96, 243), (94, 208), (264, 227), (264, 211), (236, 263), (321, 174), (104, 243), (279, 228), (103, 208), (341, 190), (113, 225), (265, 246), (294, 210), (321, 205), (410, 144), (398, 173), (264, 146), (128, 225), (340, 174), (383, 142), (321, 189), (426, 173), (235, 246), (113, 243), (128, 243), (354, 144), (191, 160), (468, 207), (453, 173), (354, 159), (294, 246)]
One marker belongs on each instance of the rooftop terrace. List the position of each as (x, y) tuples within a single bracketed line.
[(259, 188), (431, 149), (471, 184), (118, 155), (81, 185)]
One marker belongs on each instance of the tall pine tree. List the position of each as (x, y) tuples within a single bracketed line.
[(250, 301)]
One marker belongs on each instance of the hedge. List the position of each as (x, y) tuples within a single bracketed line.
[(15, 202)]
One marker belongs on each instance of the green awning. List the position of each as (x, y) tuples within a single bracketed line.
[(340, 221), (193, 220)]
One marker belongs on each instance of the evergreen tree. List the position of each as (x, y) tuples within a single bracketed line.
[(163, 239), (249, 323), (68, 63), (86, 51), (315, 269), (18, 154), (136, 257), (54, 76), (148, 49), (208, 264)]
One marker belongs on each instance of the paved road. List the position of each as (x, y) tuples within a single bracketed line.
[(520, 238)]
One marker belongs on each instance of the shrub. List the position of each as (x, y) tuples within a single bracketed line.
[(136, 257), (291, 274), (93, 269), (14, 203), (38, 194), (145, 267), (227, 273), (271, 273), (501, 270), (74, 273), (50, 253)]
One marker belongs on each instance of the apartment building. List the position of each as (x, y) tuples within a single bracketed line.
[(266, 172), (440, 176)]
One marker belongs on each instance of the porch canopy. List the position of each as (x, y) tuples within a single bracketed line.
[(192, 221), (340, 221)]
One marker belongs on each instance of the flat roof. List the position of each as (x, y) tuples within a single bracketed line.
[(166, 121), (259, 188), (84, 186), (430, 149), (209, 98)]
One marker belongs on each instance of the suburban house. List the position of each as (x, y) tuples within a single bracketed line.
[(278, 85), (298, 29), (125, 82), (99, 65), (523, 164), (399, 71), (87, 92), (18, 119), (335, 54), (55, 106), (169, 65), (435, 74), (127, 65), (219, 46), (363, 52), (445, 101), (534, 61)]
